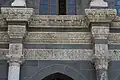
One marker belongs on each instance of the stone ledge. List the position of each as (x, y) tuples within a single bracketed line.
[(58, 37), (101, 15), (59, 20), (16, 14)]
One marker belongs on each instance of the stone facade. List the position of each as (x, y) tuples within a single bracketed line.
[(92, 37)]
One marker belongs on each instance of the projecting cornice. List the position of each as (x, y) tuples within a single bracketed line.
[(16, 14), (59, 20), (101, 15)]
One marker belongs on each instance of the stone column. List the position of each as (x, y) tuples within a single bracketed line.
[(100, 20), (17, 19), (101, 54), (15, 59), (98, 3), (19, 3)]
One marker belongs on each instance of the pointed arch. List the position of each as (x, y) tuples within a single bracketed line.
[(57, 76), (58, 68)]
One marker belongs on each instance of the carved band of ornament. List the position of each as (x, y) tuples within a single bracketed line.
[(59, 20), (101, 15), (17, 13), (58, 54)]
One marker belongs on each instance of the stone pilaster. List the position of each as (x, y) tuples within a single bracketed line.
[(101, 54), (17, 19), (100, 21), (15, 59)]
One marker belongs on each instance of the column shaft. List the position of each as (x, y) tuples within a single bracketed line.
[(14, 71)]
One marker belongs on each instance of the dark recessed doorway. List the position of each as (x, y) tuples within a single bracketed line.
[(57, 76)]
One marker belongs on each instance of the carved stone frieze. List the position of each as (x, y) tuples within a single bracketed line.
[(100, 15), (58, 54), (115, 54), (16, 14), (61, 20), (114, 38), (58, 37)]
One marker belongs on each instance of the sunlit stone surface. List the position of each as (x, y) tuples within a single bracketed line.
[(19, 3), (98, 3)]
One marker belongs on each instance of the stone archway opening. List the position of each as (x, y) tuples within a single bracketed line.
[(57, 76)]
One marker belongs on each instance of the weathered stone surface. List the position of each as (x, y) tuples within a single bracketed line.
[(15, 53), (101, 54), (15, 48), (114, 38), (4, 37), (58, 37), (57, 54), (19, 3), (101, 51), (61, 20), (3, 52), (2, 21), (16, 31), (16, 14), (115, 54), (98, 3), (100, 15), (100, 32)]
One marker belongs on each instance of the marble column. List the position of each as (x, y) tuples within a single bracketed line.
[(15, 59), (14, 70), (19, 3), (98, 3)]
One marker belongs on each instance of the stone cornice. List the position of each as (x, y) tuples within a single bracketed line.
[(16, 14), (59, 20), (101, 15)]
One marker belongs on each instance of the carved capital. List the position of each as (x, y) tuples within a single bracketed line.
[(15, 48), (100, 15), (15, 54), (15, 58)]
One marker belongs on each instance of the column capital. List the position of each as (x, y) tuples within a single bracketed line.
[(15, 54), (15, 59)]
